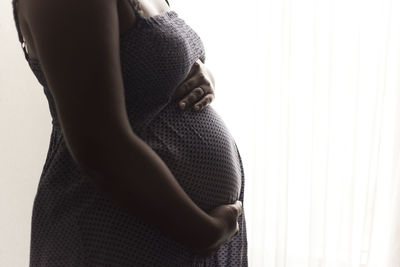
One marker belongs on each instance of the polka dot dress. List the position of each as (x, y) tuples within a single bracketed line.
[(73, 224)]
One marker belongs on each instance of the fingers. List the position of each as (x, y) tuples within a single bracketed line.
[(197, 89), (237, 229), (237, 210), (194, 89), (193, 96), (205, 101), (196, 80), (235, 234), (199, 97), (239, 207)]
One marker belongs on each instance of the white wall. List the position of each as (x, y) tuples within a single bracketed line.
[(25, 126)]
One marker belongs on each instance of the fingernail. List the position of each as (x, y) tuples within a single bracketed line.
[(196, 107), (182, 104)]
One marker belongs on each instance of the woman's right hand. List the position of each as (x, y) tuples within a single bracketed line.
[(226, 219)]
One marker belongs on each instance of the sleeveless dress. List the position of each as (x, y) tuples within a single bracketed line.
[(73, 224)]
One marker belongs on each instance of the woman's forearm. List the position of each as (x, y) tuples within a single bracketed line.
[(129, 172)]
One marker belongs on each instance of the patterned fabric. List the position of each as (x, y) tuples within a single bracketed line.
[(73, 224)]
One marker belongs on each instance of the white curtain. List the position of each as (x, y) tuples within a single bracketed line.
[(311, 90), (324, 189)]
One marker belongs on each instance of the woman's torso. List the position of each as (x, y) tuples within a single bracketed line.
[(126, 15), (156, 55)]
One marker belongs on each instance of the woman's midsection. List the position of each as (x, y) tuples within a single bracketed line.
[(200, 152)]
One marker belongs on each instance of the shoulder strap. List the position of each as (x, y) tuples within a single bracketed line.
[(20, 37), (135, 8)]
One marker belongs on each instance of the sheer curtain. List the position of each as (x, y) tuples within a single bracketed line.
[(325, 188), (315, 110)]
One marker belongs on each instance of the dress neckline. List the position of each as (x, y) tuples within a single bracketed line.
[(162, 17), (156, 19)]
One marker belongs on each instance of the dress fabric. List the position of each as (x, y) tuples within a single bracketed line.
[(74, 224)]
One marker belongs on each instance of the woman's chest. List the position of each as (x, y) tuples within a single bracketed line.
[(156, 56)]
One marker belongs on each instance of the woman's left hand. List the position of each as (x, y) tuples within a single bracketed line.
[(197, 88)]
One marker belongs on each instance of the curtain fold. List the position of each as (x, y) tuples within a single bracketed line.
[(324, 184)]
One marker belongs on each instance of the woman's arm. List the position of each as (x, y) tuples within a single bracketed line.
[(77, 44)]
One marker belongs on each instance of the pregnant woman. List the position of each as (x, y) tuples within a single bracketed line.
[(130, 178)]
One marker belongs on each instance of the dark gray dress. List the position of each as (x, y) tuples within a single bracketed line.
[(73, 224)]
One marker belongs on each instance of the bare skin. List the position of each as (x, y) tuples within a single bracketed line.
[(126, 19), (81, 61), (196, 97), (201, 79)]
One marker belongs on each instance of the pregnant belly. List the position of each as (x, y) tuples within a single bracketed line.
[(201, 153)]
